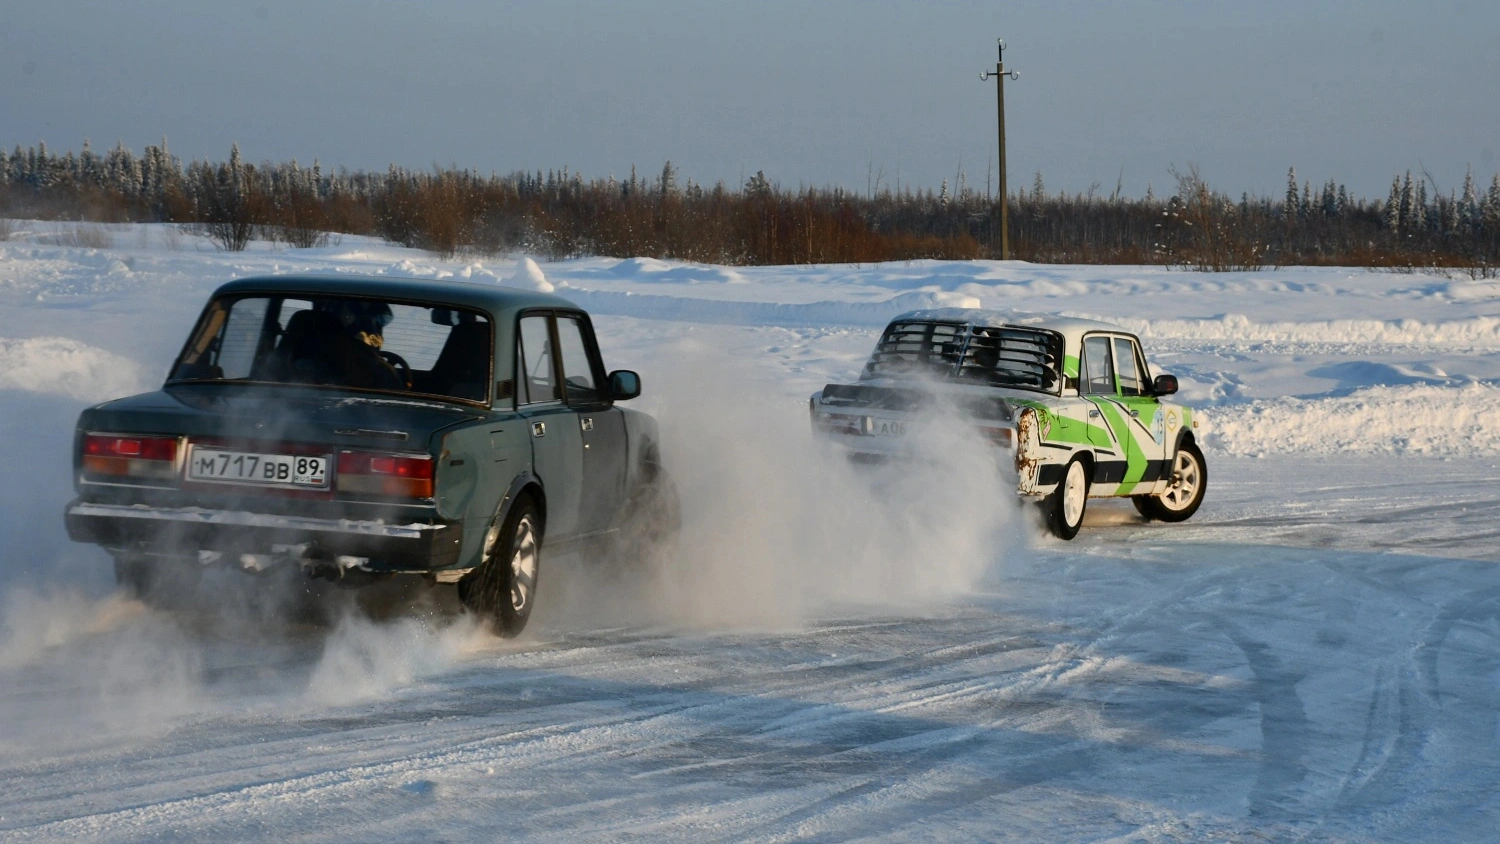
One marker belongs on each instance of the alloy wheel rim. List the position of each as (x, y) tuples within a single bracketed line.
[(1073, 495), (523, 565), (1184, 482)]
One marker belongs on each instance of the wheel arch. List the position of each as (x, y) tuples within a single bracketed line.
[(1184, 437), (522, 485)]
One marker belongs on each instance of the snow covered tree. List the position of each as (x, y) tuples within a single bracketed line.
[(668, 182), (1408, 203), (1393, 206), (1468, 205), (1491, 211)]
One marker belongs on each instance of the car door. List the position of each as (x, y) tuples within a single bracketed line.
[(1128, 446), (600, 424), (1096, 384), (1146, 442), (556, 442)]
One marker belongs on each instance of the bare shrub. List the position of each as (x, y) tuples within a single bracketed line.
[(7, 228), (1210, 236), (560, 214), (80, 236), (229, 201)]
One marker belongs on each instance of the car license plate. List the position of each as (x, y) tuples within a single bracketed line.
[(888, 428), (243, 467)]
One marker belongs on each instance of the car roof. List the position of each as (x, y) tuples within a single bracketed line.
[(1070, 327), (482, 296)]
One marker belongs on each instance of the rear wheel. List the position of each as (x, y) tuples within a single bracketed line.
[(501, 590), (1185, 490), (132, 574), (1065, 506), (1145, 505)]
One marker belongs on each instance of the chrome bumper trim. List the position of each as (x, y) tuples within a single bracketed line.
[(240, 518)]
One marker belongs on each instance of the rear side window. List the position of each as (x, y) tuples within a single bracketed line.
[(1128, 368), (578, 369), (537, 362), (1098, 372)]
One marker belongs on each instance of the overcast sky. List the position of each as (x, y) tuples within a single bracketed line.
[(820, 93)]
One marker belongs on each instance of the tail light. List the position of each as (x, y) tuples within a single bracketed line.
[(839, 423), (997, 436), (116, 456), (388, 475)]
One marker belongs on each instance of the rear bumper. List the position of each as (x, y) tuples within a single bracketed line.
[(1023, 460), (417, 546)]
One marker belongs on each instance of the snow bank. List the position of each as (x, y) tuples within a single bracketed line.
[(529, 276), (1405, 420), (64, 367), (1479, 331), (865, 314)]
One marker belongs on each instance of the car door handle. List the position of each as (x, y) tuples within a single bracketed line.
[(1135, 414), (539, 429), (1093, 414)]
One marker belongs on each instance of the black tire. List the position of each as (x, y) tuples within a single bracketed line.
[(1066, 505), (650, 523), (1183, 497), (132, 574), (501, 590), (1145, 505)]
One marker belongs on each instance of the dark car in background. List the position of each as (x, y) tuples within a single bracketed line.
[(365, 427)]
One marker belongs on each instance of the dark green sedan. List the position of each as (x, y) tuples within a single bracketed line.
[(359, 428)]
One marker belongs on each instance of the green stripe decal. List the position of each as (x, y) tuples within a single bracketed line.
[(1135, 457)]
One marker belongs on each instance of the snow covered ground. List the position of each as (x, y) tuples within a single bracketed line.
[(1315, 656)]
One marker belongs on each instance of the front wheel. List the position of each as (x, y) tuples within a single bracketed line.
[(1185, 491), (1066, 504), (501, 590)]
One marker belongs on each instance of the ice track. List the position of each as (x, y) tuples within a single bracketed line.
[(1314, 657), (1184, 687)]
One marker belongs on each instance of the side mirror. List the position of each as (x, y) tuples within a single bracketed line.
[(624, 384), (1164, 385)]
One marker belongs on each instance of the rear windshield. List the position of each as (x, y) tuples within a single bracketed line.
[(344, 342), (997, 356)]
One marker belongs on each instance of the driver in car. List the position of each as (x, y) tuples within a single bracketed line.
[(356, 353)]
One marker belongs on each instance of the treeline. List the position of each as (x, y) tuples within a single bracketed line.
[(560, 214)]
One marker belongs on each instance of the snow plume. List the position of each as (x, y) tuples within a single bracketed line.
[(778, 526), (79, 669), (64, 367), (363, 658)]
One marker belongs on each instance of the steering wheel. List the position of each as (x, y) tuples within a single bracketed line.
[(398, 363)]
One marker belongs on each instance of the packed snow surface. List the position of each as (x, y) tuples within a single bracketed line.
[(836, 654)]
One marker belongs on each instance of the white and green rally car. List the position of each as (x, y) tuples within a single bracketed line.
[(1071, 399)]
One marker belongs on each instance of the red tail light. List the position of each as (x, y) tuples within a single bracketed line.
[(116, 456), (390, 475)]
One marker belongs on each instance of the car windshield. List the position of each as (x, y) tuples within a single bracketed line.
[(345, 342), (1000, 356)]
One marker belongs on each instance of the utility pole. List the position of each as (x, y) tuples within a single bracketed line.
[(1000, 74)]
